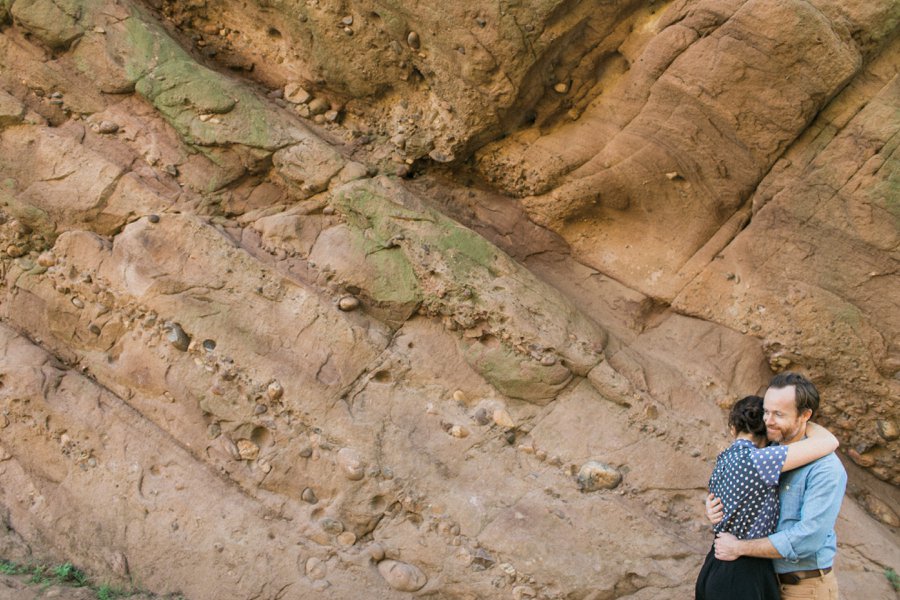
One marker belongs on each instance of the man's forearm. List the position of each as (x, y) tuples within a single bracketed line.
[(760, 548)]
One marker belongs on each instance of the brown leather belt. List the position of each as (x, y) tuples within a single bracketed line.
[(795, 577)]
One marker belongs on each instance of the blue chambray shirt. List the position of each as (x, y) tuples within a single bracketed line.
[(810, 501)]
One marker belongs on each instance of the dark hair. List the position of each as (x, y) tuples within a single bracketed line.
[(806, 395), (747, 416)]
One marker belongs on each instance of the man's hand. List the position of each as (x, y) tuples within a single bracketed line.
[(715, 512), (727, 547)]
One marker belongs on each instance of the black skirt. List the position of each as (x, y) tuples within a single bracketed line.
[(747, 578)]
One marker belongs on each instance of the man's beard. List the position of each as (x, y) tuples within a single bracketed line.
[(783, 435)]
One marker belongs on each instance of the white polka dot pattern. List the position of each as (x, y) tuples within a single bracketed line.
[(746, 479)]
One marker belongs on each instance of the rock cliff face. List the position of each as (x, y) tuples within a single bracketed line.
[(377, 298)]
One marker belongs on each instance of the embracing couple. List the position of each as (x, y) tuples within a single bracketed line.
[(774, 497)]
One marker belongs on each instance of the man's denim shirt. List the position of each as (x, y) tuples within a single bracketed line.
[(810, 501)]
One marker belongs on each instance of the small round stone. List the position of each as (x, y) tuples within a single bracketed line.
[(458, 431), (502, 419), (348, 303), (77, 302), (328, 210), (107, 127), (402, 576), (347, 538), (351, 464), (561, 88), (309, 496), (548, 360), (413, 40), (459, 396), (153, 218), (595, 475), (275, 391), (46, 259), (316, 568), (247, 449), (332, 526), (14, 251)]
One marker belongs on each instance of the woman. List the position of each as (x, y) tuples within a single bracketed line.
[(746, 479)]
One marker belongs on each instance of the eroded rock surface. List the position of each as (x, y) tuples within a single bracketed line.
[(266, 331)]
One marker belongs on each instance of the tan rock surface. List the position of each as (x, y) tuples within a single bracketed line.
[(240, 357)]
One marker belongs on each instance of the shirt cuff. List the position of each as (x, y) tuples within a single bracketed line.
[(783, 544)]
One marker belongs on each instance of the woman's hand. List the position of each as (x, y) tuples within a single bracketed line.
[(715, 512)]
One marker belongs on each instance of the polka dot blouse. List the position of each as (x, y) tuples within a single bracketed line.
[(746, 479)]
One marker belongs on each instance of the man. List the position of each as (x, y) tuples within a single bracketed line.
[(804, 543)]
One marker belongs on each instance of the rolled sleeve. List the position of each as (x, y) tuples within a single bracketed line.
[(801, 537)]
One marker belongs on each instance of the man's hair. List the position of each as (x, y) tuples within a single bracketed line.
[(806, 395), (747, 416)]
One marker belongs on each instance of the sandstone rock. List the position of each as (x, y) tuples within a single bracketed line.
[(11, 110), (309, 164), (879, 509)]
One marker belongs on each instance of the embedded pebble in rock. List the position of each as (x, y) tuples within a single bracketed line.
[(213, 430), (887, 429), (77, 302), (209, 345), (502, 418), (316, 568), (561, 88), (548, 360), (351, 464), (595, 475), (331, 115), (402, 576), (177, 337), (305, 452), (376, 551), (260, 409), (319, 106), (309, 496), (863, 460), (348, 20), (879, 509), (332, 526), (482, 560), (481, 416), (347, 538), (459, 396), (275, 391), (413, 40), (14, 251), (328, 210), (247, 449), (107, 127), (348, 303), (294, 93), (458, 431), (522, 592), (46, 259), (153, 218)]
